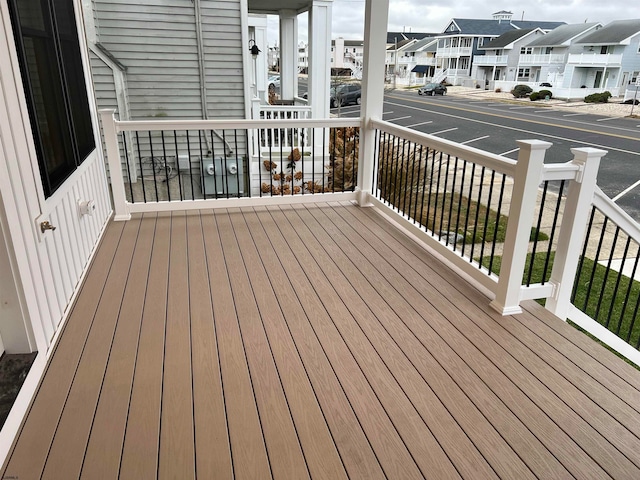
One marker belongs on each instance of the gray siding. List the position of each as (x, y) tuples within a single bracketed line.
[(156, 41)]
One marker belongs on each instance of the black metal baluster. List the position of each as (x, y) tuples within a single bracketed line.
[(405, 171), (126, 158), (595, 263), (193, 191), (226, 165), (166, 168), (238, 170), (486, 217), (477, 216), (628, 294), (433, 168), (497, 224), (175, 141), (466, 218), (453, 191), (424, 184), (538, 224), (144, 190), (435, 203), (556, 215), (344, 154), (618, 280), (412, 158), (444, 196), (153, 167), (583, 256), (460, 197), (606, 277)]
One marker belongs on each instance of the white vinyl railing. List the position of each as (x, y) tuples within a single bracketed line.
[(490, 60), (536, 59), (599, 59)]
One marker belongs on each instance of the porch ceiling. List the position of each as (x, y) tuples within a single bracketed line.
[(274, 6), (314, 341)]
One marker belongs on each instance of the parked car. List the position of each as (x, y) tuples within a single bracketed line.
[(345, 94), (546, 84), (273, 82), (433, 89)]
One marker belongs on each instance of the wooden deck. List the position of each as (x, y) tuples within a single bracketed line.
[(314, 341)]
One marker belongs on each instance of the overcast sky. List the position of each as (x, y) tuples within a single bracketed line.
[(433, 15)]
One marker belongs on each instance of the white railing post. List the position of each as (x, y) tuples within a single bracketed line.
[(376, 16), (521, 214), (574, 223), (120, 206)]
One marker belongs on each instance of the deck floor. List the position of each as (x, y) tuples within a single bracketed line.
[(314, 341)]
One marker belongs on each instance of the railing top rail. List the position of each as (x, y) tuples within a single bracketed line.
[(286, 108), (616, 214), (156, 125), (490, 160)]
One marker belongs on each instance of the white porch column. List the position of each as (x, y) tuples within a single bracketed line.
[(375, 24), (319, 77), (288, 54), (258, 33)]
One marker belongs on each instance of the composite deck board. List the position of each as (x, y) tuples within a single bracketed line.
[(140, 448), (248, 449), (317, 445), (213, 454), (30, 455), (177, 454), (314, 341), (281, 438), (503, 459), (605, 451), (380, 429), (104, 450), (288, 281)]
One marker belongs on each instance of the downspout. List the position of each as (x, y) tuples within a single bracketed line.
[(203, 83)]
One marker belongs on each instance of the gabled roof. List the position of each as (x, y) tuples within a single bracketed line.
[(392, 36), (618, 32), (401, 44), (547, 26), (488, 28), (425, 45), (563, 35), (507, 38)]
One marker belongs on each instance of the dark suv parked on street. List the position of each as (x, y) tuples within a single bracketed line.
[(433, 89), (345, 94)]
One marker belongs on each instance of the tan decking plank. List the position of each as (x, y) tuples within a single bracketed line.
[(213, 453), (140, 450), (560, 408), (248, 449), (317, 444), (70, 440), (102, 458), (287, 281), (30, 451), (404, 354), (392, 424), (467, 360), (580, 348), (177, 449), (283, 447)]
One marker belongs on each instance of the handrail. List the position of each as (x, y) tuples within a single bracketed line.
[(495, 162), (155, 125), (618, 216)]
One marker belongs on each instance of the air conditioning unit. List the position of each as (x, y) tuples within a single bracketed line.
[(223, 177)]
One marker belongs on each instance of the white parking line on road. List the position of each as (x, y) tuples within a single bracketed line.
[(606, 119), (573, 114), (444, 131), (541, 111), (418, 124), (509, 152), (475, 139), (387, 113), (518, 108), (625, 191), (396, 119)]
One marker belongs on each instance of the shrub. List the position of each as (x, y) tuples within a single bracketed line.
[(533, 96), (521, 91), (498, 90), (545, 93), (630, 101), (598, 97)]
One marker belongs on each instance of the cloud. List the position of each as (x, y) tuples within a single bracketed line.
[(433, 16)]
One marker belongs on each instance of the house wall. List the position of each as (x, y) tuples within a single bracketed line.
[(630, 62), (157, 41)]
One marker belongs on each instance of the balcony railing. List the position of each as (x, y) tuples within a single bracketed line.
[(454, 52), (490, 60), (595, 59), (541, 59), (484, 213)]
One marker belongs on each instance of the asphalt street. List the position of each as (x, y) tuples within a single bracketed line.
[(496, 126)]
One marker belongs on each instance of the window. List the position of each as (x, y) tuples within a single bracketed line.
[(53, 80), (524, 73), (480, 42), (354, 50), (604, 50), (526, 50)]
